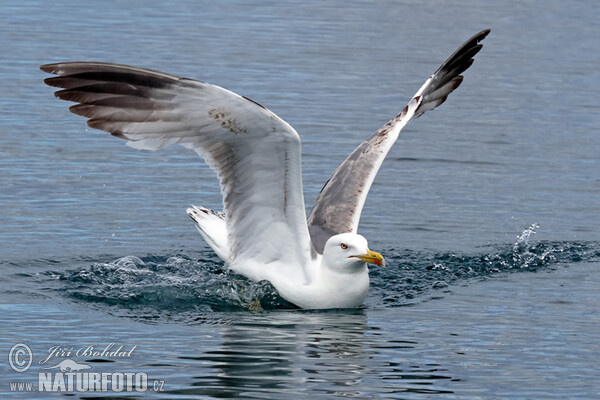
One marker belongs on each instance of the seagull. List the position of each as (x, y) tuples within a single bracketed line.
[(263, 232)]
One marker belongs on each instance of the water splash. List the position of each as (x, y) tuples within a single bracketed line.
[(181, 286), (168, 286), (417, 274), (523, 239)]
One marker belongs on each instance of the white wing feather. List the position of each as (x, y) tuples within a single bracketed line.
[(255, 154)]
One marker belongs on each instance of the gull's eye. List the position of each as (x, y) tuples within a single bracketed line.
[(344, 246)]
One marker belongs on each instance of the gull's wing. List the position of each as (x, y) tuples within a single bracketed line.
[(341, 200), (255, 154)]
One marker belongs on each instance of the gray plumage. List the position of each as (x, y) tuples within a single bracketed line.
[(151, 109), (339, 205)]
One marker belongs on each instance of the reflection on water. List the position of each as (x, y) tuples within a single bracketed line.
[(284, 351), (288, 353)]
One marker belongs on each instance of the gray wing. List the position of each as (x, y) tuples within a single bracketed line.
[(255, 154), (339, 205)]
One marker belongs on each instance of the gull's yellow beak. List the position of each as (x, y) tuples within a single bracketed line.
[(371, 257)]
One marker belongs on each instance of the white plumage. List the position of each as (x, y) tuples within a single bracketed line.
[(263, 233)]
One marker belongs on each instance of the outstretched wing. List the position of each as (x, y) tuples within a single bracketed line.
[(341, 200), (255, 154)]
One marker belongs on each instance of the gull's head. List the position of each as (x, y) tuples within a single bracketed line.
[(348, 252)]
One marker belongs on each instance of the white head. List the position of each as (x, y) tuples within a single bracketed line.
[(349, 252)]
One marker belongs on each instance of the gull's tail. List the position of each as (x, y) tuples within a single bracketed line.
[(211, 225)]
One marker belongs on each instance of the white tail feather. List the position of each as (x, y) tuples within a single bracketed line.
[(211, 225)]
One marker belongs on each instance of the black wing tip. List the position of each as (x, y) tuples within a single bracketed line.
[(47, 68), (473, 42), (478, 37), (55, 68), (457, 81), (75, 68), (82, 110), (52, 81), (484, 33), (450, 72), (100, 124)]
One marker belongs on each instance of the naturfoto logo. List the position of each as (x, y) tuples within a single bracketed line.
[(65, 374)]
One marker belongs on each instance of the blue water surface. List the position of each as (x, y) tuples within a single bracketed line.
[(487, 209)]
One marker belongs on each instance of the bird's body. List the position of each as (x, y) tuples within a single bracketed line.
[(264, 233), (320, 287)]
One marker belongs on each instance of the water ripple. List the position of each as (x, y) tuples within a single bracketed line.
[(191, 288)]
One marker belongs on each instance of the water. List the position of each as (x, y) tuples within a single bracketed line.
[(95, 247)]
